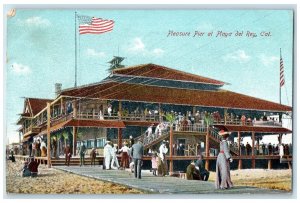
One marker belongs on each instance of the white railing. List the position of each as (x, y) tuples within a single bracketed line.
[(189, 128), (247, 122), (131, 117)]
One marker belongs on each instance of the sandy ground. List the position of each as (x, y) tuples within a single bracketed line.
[(52, 181), (262, 178)]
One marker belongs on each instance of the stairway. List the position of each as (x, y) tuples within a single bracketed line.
[(214, 135), (153, 139)]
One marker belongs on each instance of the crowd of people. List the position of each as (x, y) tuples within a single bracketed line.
[(264, 149)]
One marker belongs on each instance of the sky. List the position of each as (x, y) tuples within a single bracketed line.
[(40, 47)]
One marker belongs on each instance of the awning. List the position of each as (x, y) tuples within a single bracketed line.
[(95, 123), (256, 129), (55, 128)]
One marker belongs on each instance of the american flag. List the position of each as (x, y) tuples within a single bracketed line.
[(281, 73), (94, 25)]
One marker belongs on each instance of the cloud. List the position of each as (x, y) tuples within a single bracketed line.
[(158, 52), (94, 53), (137, 46), (239, 56), (20, 69), (36, 21), (268, 60)]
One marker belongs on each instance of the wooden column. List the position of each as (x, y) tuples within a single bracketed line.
[(48, 135), (120, 107), (225, 118), (239, 143), (270, 164), (62, 106), (253, 155), (171, 150), (74, 140), (119, 138), (239, 148), (75, 109), (240, 166), (159, 112), (207, 149)]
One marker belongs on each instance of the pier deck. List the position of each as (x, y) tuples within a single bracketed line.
[(161, 185)]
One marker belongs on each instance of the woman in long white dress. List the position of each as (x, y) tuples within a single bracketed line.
[(223, 179)]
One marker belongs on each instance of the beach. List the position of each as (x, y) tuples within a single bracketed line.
[(262, 178), (53, 181)]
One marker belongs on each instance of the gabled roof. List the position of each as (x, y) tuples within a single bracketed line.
[(162, 72), (36, 105), (153, 94)]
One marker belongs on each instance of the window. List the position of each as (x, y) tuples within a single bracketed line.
[(90, 144), (100, 142)]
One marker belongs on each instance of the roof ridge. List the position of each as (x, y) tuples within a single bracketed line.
[(187, 73), (37, 98), (131, 67)]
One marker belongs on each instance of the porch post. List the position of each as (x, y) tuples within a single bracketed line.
[(74, 140), (120, 107), (253, 154), (239, 148), (270, 164), (61, 106), (225, 118), (159, 113), (171, 150), (119, 138), (207, 149), (75, 109), (48, 135)]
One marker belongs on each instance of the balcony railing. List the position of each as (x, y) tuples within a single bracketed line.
[(131, 117), (248, 122), (190, 128)]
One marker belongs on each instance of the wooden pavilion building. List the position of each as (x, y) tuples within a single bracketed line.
[(132, 98)]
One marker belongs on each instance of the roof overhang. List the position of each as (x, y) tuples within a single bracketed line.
[(256, 129), (95, 123)]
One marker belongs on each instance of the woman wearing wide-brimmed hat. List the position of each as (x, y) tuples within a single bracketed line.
[(223, 180)]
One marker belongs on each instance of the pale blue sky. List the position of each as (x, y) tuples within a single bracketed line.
[(40, 50)]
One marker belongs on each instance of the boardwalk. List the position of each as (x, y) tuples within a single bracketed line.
[(161, 185)]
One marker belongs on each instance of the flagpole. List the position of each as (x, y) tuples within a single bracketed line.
[(75, 49), (280, 78)]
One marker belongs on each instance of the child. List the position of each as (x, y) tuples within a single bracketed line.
[(25, 171), (154, 161)]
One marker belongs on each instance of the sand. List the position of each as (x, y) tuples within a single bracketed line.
[(262, 178), (52, 181)]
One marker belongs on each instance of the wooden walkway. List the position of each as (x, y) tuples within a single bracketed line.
[(160, 185)]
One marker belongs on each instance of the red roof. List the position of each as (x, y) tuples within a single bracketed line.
[(257, 129), (157, 71), (37, 104), (152, 94)]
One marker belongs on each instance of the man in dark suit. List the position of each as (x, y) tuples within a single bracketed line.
[(82, 150), (137, 155)]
